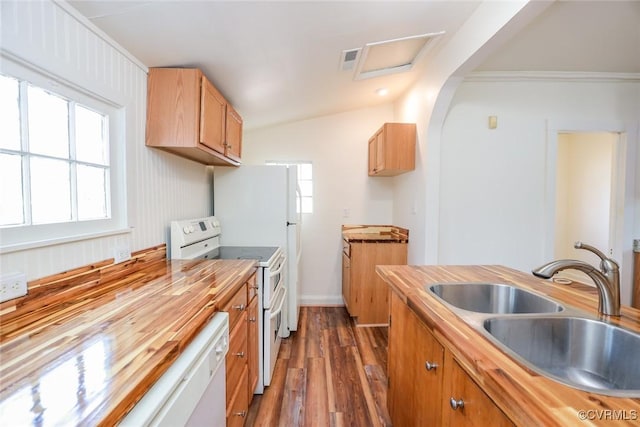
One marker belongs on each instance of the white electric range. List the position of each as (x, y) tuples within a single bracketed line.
[(200, 239)]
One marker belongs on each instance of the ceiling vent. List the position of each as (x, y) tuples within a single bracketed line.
[(348, 59), (392, 56)]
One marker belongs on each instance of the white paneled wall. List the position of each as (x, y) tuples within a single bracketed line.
[(52, 37)]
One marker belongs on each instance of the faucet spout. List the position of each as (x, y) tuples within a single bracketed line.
[(607, 281)]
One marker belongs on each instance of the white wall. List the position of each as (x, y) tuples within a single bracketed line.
[(583, 193), (495, 204), (337, 146), (160, 187), (426, 104)]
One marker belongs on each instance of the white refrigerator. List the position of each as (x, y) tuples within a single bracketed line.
[(257, 205)]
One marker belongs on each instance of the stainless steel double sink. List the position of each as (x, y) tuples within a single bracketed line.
[(554, 340)]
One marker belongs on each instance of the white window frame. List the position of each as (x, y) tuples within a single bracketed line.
[(21, 237)]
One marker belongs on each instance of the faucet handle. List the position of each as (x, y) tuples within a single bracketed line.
[(580, 245), (607, 264)]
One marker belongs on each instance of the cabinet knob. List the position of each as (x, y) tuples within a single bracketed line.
[(238, 307), (240, 354), (252, 319), (430, 366), (240, 414), (455, 404)]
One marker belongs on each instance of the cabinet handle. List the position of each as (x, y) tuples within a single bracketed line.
[(252, 319), (240, 354), (240, 414), (238, 307), (455, 404), (430, 366)]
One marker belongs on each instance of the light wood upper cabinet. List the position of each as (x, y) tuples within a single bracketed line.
[(188, 116), (392, 149), (212, 117), (233, 145)]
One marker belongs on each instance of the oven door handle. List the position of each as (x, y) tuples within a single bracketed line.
[(279, 270), (277, 311)]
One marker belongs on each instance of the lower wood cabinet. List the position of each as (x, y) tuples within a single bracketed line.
[(252, 346), (365, 294), (242, 358), (239, 405), (415, 372), (467, 404), (427, 386)]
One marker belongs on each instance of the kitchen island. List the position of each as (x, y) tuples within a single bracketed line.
[(464, 365), (82, 348)]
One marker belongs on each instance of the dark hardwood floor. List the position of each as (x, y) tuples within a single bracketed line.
[(328, 373)]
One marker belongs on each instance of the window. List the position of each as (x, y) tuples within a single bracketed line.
[(305, 182), (57, 180), (54, 157)]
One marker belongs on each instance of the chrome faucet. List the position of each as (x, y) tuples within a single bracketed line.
[(607, 279)]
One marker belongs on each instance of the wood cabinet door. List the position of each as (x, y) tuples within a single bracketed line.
[(380, 150), (173, 107), (415, 388), (233, 144), (372, 293), (212, 117), (236, 358), (252, 346), (346, 282), (239, 405), (372, 155), (478, 409)]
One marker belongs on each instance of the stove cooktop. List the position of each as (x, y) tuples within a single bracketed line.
[(259, 253)]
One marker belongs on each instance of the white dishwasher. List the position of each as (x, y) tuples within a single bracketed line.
[(192, 392)]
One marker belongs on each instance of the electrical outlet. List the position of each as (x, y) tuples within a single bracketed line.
[(12, 286), (121, 253)]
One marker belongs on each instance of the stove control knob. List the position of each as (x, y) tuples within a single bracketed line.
[(186, 230), (191, 229)]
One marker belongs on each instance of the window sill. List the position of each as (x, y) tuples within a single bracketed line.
[(61, 240)]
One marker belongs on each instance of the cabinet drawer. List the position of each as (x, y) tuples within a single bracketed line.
[(252, 290), (239, 405), (236, 306), (236, 359)]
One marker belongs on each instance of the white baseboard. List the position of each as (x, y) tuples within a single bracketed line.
[(321, 300)]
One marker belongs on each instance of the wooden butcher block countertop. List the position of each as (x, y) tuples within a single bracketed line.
[(85, 353), (527, 398), (375, 234)]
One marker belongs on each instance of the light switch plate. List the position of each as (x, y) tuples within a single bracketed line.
[(12, 286)]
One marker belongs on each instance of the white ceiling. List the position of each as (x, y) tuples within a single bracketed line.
[(590, 36), (280, 61)]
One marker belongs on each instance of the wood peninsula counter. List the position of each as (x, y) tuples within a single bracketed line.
[(434, 356), (82, 348)]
